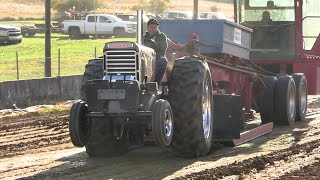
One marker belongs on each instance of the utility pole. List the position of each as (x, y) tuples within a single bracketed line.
[(195, 9), (95, 19), (48, 39)]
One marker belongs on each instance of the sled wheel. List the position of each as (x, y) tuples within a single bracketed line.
[(301, 96), (267, 110), (285, 101)]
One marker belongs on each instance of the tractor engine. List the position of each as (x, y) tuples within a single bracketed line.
[(125, 82), (128, 61)]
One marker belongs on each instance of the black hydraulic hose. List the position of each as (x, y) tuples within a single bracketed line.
[(236, 68), (259, 68)]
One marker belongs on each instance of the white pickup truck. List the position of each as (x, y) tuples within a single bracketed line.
[(100, 24)]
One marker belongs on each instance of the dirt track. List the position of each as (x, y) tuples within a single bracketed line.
[(37, 146)]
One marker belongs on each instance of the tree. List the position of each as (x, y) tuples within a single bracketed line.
[(154, 6), (158, 6), (77, 5), (141, 4)]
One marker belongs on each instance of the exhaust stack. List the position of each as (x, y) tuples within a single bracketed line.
[(140, 27)]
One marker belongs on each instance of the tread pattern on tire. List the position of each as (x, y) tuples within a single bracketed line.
[(267, 109), (185, 91), (93, 70)]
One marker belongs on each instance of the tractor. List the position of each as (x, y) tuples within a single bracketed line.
[(215, 79)]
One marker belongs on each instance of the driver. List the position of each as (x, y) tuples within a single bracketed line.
[(161, 40), (266, 17)]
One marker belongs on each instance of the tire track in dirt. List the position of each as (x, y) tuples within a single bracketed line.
[(47, 136), (251, 168), (31, 135), (310, 172), (22, 135), (255, 164)]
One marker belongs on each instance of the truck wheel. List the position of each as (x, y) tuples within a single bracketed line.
[(31, 34), (102, 142), (162, 122), (79, 126), (267, 110), (93, 70), (119, 33), (301, 96), (74, 33), (190, 92), (285, 101)]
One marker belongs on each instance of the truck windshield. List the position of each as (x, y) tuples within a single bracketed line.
[(114, 18), (273, 25), (253, 10)]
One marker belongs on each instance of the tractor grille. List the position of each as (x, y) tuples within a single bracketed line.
[(121, 63)]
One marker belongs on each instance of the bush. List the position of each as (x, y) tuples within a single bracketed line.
[(8, 19), (158, 6)]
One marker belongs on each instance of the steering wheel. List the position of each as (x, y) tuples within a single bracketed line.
[(150, 43)]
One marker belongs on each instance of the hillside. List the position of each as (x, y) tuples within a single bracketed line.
[(22, 9)]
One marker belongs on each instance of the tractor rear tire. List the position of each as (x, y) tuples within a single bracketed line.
[(190, 92), (102, 143), (285, 101), (267, 109), (301, 96), (93, 70), (79, 125)]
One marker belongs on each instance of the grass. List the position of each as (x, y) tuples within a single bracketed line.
[(58, 109), (74, 55)]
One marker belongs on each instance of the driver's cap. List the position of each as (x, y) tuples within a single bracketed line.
[(152, 21)]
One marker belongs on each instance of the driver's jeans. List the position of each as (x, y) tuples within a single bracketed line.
[(161, 66)]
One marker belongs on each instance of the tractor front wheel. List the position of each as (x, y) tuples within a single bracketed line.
[(79, 125), (162, 122)]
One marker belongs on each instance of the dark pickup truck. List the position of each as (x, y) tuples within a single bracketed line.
[(10, 35), (40, 28)]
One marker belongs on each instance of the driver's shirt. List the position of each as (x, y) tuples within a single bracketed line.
[(161, 40)]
